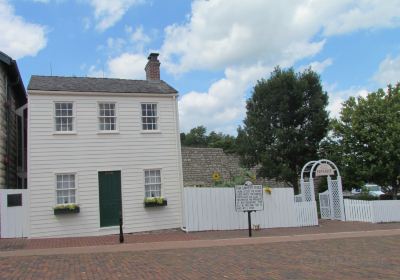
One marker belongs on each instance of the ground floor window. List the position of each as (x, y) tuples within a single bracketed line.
[(66, 188), (152, 183)]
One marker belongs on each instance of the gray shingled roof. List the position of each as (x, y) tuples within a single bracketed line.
[(85, 84)]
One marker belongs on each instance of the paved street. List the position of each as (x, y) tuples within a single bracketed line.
[(340, 258)]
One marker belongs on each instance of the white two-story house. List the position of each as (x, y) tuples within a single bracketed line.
[(97, 149)]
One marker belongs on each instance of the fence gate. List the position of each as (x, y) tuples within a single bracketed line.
[(324, 205), (13, 213), (331, 201)]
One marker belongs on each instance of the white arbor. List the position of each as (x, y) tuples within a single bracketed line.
[(331, 201)]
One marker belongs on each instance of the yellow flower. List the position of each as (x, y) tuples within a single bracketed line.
[(268, 190), (216, 176)]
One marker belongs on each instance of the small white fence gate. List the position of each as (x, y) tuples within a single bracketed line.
[(214, 209), (13, 213)]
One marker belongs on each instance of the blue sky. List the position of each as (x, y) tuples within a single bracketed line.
[(212, 51)]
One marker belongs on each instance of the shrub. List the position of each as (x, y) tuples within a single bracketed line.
[(388, 196), (363, 196)]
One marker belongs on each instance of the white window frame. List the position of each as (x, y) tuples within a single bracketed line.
[(75, 187), (73, 131), (116, 117), (157, 117), (145, 185)]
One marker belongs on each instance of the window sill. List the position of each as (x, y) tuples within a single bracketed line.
[(150, 132), (65, 133), (108, 132)]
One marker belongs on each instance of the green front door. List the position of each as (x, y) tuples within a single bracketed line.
[(110, 198)]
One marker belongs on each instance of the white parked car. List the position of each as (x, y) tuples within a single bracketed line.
[(373, 189)]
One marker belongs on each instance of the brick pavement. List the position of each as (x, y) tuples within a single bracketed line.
[(341, 258), (325, 226)]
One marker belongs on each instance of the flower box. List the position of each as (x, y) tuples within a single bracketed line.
[(155, 202), (67, 209)]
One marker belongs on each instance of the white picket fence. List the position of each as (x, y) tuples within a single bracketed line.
[(214, 209), (374, 211)]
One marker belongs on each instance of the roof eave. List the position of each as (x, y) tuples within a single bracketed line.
[(123, 94)]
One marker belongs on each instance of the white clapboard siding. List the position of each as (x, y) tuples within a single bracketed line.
[(375, 211), (214, 209), (88, 151)]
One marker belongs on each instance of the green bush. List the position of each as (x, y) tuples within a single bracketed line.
[(363, 196), (387, 196)]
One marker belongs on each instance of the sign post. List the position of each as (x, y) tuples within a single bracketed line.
[(249, 198)]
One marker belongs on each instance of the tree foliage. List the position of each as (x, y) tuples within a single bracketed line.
[(366, 138), (197, 137), (285, 122)]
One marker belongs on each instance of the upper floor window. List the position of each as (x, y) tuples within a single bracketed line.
[(64, 116), (149, 116), (107, 117), (66, 188)]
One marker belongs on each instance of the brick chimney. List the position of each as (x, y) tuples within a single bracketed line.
[(153, 68)]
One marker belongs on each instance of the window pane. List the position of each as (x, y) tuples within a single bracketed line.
[(65, 188), (149, 116), (107, 116), (152, 183), (64, 116)]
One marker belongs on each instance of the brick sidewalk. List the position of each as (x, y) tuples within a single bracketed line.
[(326, 226), (346, 258)]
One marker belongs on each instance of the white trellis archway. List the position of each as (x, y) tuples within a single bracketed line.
[(331, 201)]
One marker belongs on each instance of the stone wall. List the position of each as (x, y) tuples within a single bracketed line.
[(200, 163)]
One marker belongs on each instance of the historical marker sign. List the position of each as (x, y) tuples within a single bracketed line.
[(249, 197)]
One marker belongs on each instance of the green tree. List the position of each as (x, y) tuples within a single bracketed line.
[(367, 138), (285, 122), (220, 140), (195, 138)]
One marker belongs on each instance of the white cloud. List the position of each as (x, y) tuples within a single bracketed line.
[(18, 37), (222, 107), (389, 71), (124, 66), (362, 14), (138, 35), (336, 98), (226, 33), (318, 66), (233, 34), (107, 13)]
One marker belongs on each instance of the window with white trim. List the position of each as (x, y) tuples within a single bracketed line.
[(107, 117), (66, 188), (64, 116), (149, 116), (152, 183)]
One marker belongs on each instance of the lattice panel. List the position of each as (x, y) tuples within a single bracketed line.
[(307, 190), (336, 200)]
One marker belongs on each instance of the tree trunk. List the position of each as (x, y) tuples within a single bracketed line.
[(395, 189), (295, 185)]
